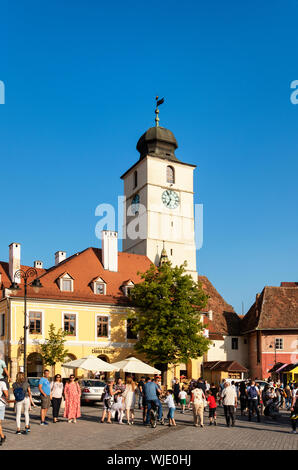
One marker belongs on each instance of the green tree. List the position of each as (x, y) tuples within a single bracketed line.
[(53, 348), (167, 315)]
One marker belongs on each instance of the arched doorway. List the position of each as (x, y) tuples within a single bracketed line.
[(102, 375), (34, 365), (65, 372), (104, 358)]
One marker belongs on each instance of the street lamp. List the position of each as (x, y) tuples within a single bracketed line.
[(36, 284), (270, 346)]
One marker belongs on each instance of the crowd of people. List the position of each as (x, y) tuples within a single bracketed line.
[(51, 395), (121, 399)]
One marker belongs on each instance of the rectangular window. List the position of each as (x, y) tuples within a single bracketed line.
[(34, 323), (99, 288), (126, 290), (67, 285), (102, 327), (70, 324), (279, 343), (2, 325), (129, 333), (234, 343)]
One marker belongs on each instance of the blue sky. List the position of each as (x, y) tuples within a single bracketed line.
[(80, 80)]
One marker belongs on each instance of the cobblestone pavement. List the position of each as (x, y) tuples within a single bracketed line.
[(88, 433)]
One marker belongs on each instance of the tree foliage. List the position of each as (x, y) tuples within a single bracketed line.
[(53, 348), (167, 315)]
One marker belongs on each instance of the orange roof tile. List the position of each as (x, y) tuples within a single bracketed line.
[(275, 308), (225, 321), (84, 267)]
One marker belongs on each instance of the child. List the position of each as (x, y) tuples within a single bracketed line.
[(118, 407), (182, 396), (170, 402), (212, 408)]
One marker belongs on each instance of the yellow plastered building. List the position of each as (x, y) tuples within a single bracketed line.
[(85, 295)]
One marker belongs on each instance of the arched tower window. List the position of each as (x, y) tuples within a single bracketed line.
[(170, 174), (135, 179)]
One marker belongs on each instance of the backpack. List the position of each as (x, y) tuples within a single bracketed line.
[(252, 392), (19, 394)]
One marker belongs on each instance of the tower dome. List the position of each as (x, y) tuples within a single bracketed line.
[(159, 142)]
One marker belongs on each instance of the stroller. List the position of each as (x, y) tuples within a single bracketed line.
[(271, 409)]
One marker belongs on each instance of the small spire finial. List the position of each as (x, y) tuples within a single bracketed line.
[(158, 102), (163, 256)]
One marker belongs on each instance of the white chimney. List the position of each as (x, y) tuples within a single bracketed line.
[(38, 264), (14, 261), (210, 315), (109, 249), (59, 257)]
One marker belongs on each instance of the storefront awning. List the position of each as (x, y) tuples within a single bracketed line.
[(281, 368)]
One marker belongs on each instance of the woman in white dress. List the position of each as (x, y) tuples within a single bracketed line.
[(129, 396)]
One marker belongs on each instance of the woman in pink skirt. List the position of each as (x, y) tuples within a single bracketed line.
[(72, 395)]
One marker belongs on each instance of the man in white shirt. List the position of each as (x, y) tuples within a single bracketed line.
[(229, 399)]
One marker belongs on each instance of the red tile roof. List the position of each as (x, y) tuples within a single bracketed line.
[(209, 325), (83, 267), (275, 308), (5, 278), (225, 321)]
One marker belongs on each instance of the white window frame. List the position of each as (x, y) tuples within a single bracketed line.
[(42, 322), (77, 323), (126, 287), (65, 277), (235, 338), (101, 282), (279, 341), (109, 326)]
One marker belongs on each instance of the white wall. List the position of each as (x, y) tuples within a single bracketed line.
[(221, 350), (174, 226)]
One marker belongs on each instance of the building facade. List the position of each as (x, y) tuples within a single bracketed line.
[(271, 329), (85, 295), (223, 327)]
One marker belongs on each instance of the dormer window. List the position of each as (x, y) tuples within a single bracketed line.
[(126, 287), (65, 283), (99, 286)]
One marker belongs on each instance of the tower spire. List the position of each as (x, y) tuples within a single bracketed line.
[(163, 256), (158, 102)]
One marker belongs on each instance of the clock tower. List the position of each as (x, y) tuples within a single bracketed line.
[(159, 202)]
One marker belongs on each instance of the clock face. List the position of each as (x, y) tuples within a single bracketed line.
[(170, 199), (135, 204)]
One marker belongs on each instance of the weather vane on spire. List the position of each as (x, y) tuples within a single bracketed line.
[(158, 102)]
